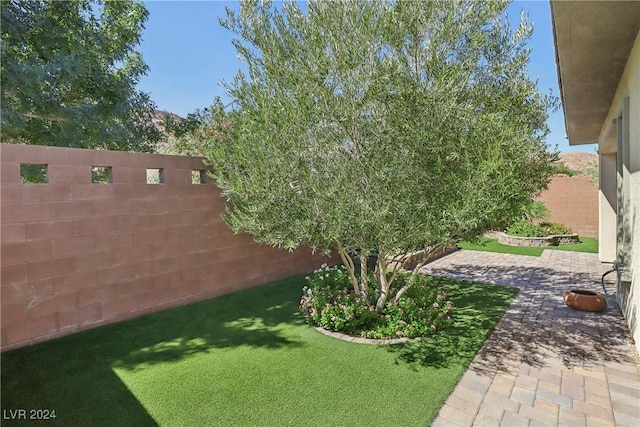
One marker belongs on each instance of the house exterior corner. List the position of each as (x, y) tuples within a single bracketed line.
[(598, 61)]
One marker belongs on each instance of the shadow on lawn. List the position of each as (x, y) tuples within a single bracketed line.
[(75, 375), (248, 318), (539, 328), (218, 323), (476, 312)]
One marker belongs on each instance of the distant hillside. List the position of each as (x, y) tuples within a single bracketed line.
[(159, 119), (579, 162)]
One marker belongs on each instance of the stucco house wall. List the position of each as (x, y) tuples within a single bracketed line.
[(598, 59), (621, 140)]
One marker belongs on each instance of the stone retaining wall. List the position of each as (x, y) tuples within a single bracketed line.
[(554, 240)]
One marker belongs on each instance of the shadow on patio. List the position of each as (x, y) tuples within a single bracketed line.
[(539, 329)]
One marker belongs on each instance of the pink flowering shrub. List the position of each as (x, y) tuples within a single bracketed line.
[(328, 301)]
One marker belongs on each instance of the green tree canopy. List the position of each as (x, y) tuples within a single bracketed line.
[(69, 74), (380, 127)]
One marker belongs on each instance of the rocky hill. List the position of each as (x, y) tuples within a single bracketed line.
[(159, 118), (579, 162)]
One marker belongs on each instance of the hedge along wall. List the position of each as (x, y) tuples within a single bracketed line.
[(76, 254), (573, 201)]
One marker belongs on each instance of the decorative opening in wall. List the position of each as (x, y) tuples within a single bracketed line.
[(101, 175), (198, 177), (155, 176), (33, 173)]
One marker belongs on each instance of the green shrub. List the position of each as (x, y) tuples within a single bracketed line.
[(33, 174), (529, 229), (534, 210), (525, 229), (329, 302), (561, 168), (551, 228)]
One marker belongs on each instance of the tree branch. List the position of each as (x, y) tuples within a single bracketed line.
[(415, 271), (49, 119)]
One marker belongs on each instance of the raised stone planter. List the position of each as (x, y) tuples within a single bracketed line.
[(538, 242), (361, 340)]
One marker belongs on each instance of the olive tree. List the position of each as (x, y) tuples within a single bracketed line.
[(380, 127)]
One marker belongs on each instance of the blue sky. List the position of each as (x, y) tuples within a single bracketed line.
[(189, 53)]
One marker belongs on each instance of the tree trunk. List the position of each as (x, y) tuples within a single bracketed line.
[(348, 263), (364, 279), (383, 284)]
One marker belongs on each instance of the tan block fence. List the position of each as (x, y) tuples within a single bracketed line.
[(76, 255), (573, 201)]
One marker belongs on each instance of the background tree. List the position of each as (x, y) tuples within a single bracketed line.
[(69, 74), (379, 127), (193, 135)]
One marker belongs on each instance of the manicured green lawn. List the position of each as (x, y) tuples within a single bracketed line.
[(587, 244), (246, 359)]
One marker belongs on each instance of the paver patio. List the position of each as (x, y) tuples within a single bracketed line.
[(545, 364)]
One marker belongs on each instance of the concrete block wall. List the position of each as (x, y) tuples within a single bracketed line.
[(573, 201), (76, 255)]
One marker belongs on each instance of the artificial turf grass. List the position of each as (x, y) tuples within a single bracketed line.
[(247, 359), (587, 244)]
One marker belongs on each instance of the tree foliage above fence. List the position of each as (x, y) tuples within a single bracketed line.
[(194, 134), (379, 127), (69, 74)]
